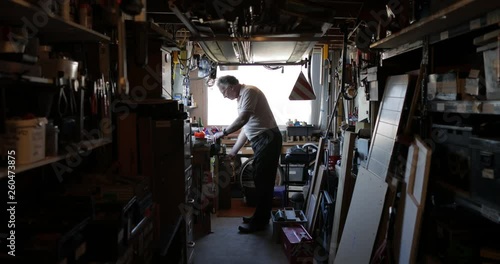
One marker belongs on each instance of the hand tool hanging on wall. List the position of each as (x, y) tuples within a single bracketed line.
[(100, 99), (94, 106), (93, 100), (66, 102), (107, 91)]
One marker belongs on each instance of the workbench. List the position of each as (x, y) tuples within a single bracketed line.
[(246, 151)]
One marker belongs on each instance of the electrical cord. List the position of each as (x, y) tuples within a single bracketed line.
[(269, 67)]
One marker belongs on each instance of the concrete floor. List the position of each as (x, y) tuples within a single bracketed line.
[(227, 245)]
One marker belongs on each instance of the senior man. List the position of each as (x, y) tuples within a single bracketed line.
[(259, 126)]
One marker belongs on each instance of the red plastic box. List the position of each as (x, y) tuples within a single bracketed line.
[(298, 244)]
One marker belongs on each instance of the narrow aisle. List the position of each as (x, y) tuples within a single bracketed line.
[(226, 245)]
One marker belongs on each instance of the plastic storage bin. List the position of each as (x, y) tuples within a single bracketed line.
[(281, 220), (27, 138), (298, 244)]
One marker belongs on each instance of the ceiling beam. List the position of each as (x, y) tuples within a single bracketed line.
[(263, 63), (267, 39), (164, 19)]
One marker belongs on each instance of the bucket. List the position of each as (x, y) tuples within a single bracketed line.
[(27, 138)]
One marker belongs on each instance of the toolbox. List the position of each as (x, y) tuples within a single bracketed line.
[(298, 244)]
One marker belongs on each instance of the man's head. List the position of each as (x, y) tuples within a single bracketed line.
[(229, 86)]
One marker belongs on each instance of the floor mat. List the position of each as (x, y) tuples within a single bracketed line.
[(239, 209)]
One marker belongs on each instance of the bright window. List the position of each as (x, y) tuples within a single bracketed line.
[(273, 83)]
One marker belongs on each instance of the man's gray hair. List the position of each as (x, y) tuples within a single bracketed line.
[(226, 81)]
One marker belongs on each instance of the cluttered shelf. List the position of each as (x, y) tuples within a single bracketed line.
[(466, 107), (83, 146), (41, 20), (247, 149), (439, 22), (230, 142), (485, 20)]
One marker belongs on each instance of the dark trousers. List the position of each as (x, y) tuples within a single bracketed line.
[(267, 150)]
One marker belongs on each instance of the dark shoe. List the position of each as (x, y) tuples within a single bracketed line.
[(247, 219), (248, 229)]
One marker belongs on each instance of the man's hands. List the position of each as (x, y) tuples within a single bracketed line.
[(218, 135), (230, 156)]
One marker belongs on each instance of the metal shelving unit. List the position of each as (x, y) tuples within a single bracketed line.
[(462, 18), (466, 107)]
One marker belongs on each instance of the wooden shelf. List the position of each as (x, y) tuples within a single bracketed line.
[(453, 15), (25, 78), (84, 146), (485, 20), (54, 28), (466, 107), (401, 49)]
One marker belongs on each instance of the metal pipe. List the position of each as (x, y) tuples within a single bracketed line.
[(194, 31), (267, 39), (302, 62), (333, 114), (341, 89), (344, 60)]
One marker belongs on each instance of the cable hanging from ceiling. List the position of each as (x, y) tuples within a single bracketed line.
[(273, 68)]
